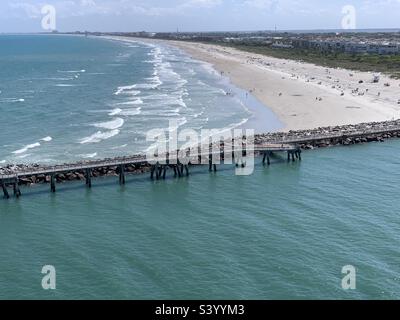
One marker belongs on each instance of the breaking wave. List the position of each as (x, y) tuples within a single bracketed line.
[(99, 136), (111, 125)]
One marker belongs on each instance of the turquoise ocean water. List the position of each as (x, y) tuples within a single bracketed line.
[(284, 232)]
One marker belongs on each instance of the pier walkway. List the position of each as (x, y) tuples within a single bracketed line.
[(158, 167)]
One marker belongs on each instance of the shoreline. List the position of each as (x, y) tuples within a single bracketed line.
[(263, 119), (302, 95)]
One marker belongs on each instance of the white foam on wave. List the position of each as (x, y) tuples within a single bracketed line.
[(99, 136), (155, 80), (131, 112), (26, 148), (111, 125), (148, 85), (65, 85), (130, 103), (2, 161), (47, 139), (180, 122), (198, 114), (127, 89), (56, 79), (115, 112), (120, 147), (12, 100), (89, 155), (72, 71), (32, 145)]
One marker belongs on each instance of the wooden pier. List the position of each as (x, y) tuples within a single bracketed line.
[(158, 168)]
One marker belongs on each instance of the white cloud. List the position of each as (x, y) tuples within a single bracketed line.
[(66, 8), (30, 10)]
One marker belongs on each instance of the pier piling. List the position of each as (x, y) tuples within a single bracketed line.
[(52, 183), (157, 171), (17, 191), (67, 172), (121, 174), (178, 168), (89, 178), (5, 191), (187, 170)]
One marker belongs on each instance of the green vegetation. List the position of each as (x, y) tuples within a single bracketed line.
[(388, 64)]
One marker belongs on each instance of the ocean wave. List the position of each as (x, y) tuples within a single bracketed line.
[(198, 114), (130, 90), (181, 103), (99, 136), (63, 85), (32, 145), (26, 148), (88, 156), (72, 71), (131, 112), (115, 111), (111, 125), (61, 79), (179, 122), (11, 100), (155, 80), (130, 103), (120, 147), (2, 161), (148, 85)]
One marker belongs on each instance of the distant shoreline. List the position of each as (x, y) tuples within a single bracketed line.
[(263, 119), (302, 95)]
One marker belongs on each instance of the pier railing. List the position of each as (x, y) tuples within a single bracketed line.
[(136, 160), (213, 154)]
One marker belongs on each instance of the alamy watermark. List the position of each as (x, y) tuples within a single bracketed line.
[(349, 281), (49, 279), (171, 147), (49, 20), (349, 20)]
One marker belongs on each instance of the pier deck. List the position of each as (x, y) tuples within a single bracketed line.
[(266, 145), (158, 167)]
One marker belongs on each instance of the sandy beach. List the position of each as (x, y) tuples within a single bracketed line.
[(303, 95)]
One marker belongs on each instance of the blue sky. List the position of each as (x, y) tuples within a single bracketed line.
[(196, 15)]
